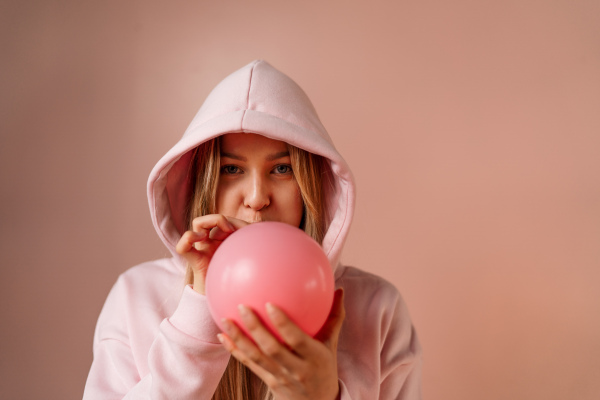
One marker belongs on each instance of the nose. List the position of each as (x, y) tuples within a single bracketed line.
[(257, 196)]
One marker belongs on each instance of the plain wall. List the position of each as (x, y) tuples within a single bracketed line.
[(472, 127)]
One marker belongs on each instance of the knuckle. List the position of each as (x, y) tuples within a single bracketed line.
[(251, 325), (234, 334), (279, 382), (279, 321), (241, 358), (272, 349), (197, 222), (295, 341), (272, 382), (254, 355), (191, 237), (301, 376)]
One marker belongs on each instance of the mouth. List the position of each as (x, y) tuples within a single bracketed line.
[(255, 218), (252, 221)]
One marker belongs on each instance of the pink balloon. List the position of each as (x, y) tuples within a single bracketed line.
[(271, 262)]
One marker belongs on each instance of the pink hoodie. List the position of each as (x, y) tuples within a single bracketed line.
[(155, 339)]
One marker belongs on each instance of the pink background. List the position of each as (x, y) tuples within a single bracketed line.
[(473, 129)]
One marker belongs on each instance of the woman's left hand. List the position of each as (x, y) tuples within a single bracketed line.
[(305, 369)]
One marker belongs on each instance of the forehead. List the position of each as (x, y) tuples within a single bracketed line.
[(249, 142)]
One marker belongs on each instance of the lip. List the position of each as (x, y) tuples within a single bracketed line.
[(255, 218)]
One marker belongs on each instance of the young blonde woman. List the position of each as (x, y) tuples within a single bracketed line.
[(256, 151)]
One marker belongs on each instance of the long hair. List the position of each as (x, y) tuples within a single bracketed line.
[(311, 173)]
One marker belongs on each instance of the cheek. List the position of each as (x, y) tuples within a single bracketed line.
[(293, 205), (224, 199)]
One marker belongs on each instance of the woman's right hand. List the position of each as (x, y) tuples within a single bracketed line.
[(198, 245)]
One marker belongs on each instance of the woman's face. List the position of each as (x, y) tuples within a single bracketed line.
[(256, 181)]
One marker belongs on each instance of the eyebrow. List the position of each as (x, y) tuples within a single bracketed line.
[(270, 157)]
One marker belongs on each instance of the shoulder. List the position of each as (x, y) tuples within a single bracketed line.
[(372, 303), (377, 335), (147, 292), (151, 278), (150, 270), (347, 273), (357, 282)]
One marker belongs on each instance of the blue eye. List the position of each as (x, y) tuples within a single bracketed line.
[(282, 169), (230, 170)]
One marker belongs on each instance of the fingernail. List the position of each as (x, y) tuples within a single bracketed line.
[(200, 234), (275, 314), (220, 337), (273, 311), (231, 227), (244, 312), (226, 324)]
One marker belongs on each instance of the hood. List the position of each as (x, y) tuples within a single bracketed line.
[(255, 99)]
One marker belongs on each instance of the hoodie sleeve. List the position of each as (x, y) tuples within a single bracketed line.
[(400, 357), (184, 361), (387, 364)]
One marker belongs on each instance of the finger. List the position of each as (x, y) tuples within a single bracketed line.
[(217, 226), (217, 233), (267, 342), (240, 356), (330, 331), (242, 348), (237, 223), (186, 243), (298, 340), (207, 222)]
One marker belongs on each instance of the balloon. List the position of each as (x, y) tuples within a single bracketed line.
[(271, 262)]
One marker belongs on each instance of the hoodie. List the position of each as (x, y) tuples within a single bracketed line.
[(155, 340)]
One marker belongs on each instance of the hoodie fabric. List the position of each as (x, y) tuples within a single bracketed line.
[(154, 340)]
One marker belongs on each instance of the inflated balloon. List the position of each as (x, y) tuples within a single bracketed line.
[(271, 262)]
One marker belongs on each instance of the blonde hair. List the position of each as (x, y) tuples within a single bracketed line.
[(311, 174)]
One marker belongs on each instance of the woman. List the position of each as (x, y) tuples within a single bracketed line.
[(255, 151)]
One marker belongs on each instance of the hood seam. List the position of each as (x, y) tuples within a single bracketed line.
[(341, 228), (248, 96)]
